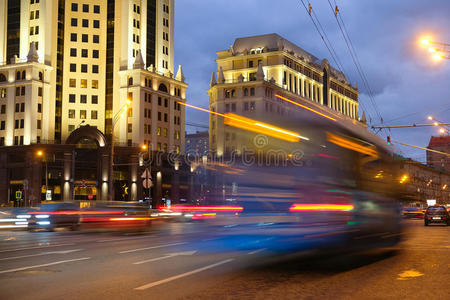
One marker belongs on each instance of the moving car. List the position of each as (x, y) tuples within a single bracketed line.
[(413, 213), (437, 214), (54, 215)]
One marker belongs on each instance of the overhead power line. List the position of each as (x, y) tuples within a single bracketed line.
[(354, 56)]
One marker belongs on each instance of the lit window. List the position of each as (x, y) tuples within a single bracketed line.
[(83, 83), (71, 113), (95, 84), (82, 114), (72, 82), (94, 115), (158, 131)]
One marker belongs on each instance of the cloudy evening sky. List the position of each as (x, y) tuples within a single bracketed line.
[(407, 84)]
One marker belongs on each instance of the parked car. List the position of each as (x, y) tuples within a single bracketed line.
[(437, 214), (413, 213), (55, 215)]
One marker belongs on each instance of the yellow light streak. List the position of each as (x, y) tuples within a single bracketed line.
[(346, 143), (305, 107)]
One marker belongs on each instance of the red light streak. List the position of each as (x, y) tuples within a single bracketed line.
[(320, 207), (131, 219), (64, 212), (205, 208), (204, 216)]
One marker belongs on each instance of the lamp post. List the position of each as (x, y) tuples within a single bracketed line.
[(40, 153), (438, 50), (117, 117)]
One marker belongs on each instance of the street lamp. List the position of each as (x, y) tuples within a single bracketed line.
[(438, 50), (40, 153), (120, 114)]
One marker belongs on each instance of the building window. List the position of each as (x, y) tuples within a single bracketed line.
[(17, 91), (83, 98), (95, 69), (21, 123), (71, 128), (96, 24), (82, 114), (94, 99), (85, 23), (85, 8), (165, 132), (252, 92), (252, 76), (94, 115), (252, 106), (96, 9), (39, 91), (94, 53), (84, 38), (17, 107), (16, 140), (3, 109), (2, 125), (73, 37), (250, 64), (165, 118), (130, 81), (73, 67), (83, 83), (71, 98), (84, 52), (72, 82), (158, 131), (21, 140), (245, 106), (71, 113), (130, 128), (16, 124), (22, 91), (95, 84), (159, 116), (95, 38), (74, 6), (166, 103), (73, 52), (74, 22), (83, 68), (159, 101), (39, 108)]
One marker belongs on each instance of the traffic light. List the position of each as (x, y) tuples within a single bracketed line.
[(388, 138)]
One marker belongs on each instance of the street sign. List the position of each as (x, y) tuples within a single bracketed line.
[(147, 183), (18, 194), (146, 174)]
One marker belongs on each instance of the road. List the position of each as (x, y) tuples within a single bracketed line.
[(176, 261)]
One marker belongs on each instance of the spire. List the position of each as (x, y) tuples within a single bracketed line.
[(363, 118), (221, 77), (260, 72), (213, 81), (180, 75), (139, 61), (32, 54)]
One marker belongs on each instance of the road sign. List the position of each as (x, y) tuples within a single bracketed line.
[(146, 174), (147, 183), (18, 194)]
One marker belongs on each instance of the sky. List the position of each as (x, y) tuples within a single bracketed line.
[(406, 83)]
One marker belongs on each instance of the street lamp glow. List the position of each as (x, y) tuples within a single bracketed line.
[(425, 41), (144, 147), (437, 57), (430, 118), (442, 130), (435, 123), (39, 153), (432, 50)]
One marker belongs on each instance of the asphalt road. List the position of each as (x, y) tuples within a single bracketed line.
[(179, 260)]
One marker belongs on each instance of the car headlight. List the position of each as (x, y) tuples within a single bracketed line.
[(42, 216)]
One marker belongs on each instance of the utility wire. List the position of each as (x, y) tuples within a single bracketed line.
[(355, 58)]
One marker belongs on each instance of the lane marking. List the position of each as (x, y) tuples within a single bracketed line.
[(256, 251), (153, 247), (43, 265), (155, 283), (42, 253), (166, 256), (37, 247)]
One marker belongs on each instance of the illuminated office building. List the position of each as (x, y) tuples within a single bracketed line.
[(75, 64), (255, 69)]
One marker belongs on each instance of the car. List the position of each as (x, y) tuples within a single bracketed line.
[(413, 213), (55, 215), (437, 214)]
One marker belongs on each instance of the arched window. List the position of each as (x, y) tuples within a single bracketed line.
[(252, 92), (18, 75), (233, 93), (41, 76), (2, 77), (245, 92), (130, 81), (23, 74), (162, 87)]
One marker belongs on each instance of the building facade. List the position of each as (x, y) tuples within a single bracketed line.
[(437, 160), (106, 64), (256, 69), (197, 144)]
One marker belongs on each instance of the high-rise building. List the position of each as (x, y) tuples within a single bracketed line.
[(255, 69), (67, 63), (79, 70)]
